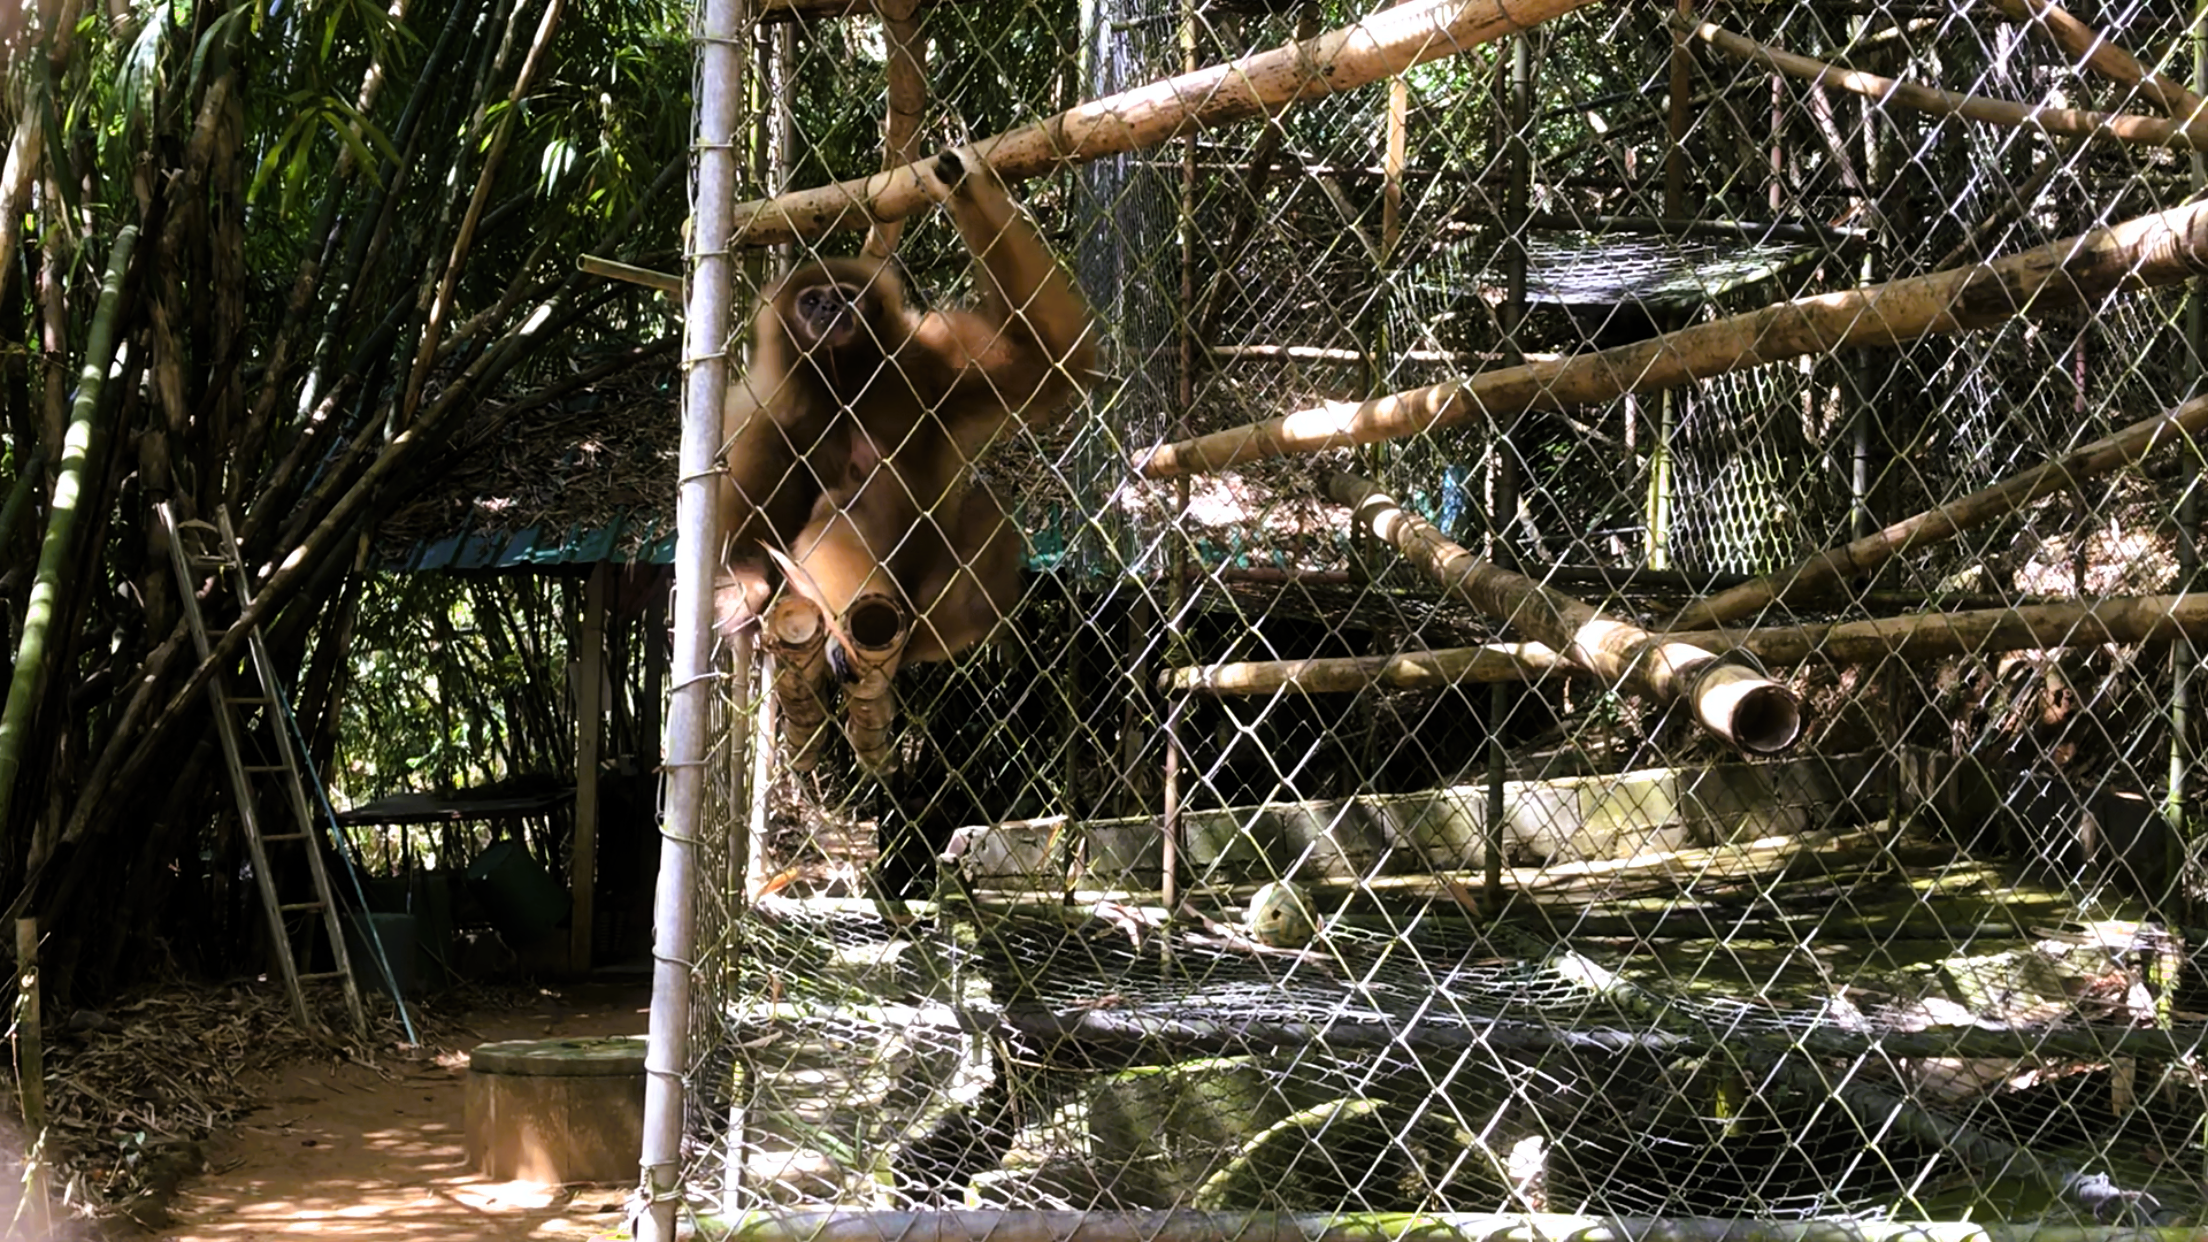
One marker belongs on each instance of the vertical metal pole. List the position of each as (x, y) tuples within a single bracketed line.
[(697, 541)]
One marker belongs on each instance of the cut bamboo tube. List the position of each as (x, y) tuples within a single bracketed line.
[(2103, 57), (797, 638), (2153, 250), (1924, 636), (2140, 131), (1382, 44), (1951, 519), (1740, 705), (876, 627)]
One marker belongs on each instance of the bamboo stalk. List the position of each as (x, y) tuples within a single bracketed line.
[(441, 304), (2103, 57), (795, 636), (30, 1079), (970, 1225), (1737, 704), (1384, 43), (2153, 250), (908, 99), (33, 653), (2144, 131), (1920, 636), (878, 627), (1951, 519)]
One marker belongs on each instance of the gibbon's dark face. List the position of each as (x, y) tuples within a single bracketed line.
[(830, 316)]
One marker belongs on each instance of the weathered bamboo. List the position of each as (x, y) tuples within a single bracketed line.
[(2103, 57), (2153, 250), (1951, 519), (33, 654), (796, 637), (1739, 705), (969, 1225), (1384, 43), (30, 1077), (2141, 131), (1923, 636), (613, 269), (908, 96), (440, 305), (877, 627)]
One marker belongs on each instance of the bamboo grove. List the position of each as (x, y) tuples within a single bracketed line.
[(269, 258)]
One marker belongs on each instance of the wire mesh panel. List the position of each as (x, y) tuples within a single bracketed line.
[(1574, 613)]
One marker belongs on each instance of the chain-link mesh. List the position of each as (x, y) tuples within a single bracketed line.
[(1270, 858)]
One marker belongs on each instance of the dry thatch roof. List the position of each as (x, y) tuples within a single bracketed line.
[(586, 479)]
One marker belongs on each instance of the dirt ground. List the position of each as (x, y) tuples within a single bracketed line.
[(343, 1151)]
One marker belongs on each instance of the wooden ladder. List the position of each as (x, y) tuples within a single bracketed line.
[(258, 742)]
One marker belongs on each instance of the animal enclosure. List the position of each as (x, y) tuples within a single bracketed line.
[(1613, 636)]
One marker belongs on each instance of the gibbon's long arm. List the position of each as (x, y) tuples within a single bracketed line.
[(1029, 337)]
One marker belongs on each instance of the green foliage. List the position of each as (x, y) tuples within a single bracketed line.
[(455, 682)]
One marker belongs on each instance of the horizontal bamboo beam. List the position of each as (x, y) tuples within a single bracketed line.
[(2153, 250), (1949, 520), (1923, 636), (2127, 128), (613, 269), (1739, 705), (1381, 45), (972, 1225)]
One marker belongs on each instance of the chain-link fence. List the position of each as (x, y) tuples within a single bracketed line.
[(1608, 639)]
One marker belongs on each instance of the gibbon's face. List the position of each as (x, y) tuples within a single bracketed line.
[(830, 316)]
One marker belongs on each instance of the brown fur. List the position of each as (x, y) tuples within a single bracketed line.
[(850, 446)]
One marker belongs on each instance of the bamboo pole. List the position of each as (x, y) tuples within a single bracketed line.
[(614, 270), (2153, 250), (706, 321), (30, 1079), (1921, 636), (1737, 704), (590, 737), (440, 305), (1384, 43), (2103, 57), (2144, 131), (32, 654), (970, 1225), (908, 98), (1951, 519)]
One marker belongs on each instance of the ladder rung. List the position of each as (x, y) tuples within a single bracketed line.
[(267, 837), (247, 698), (295, 907), (263, 767), (322, 974)]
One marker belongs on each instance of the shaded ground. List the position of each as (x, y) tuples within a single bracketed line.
[(341, 1150)]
